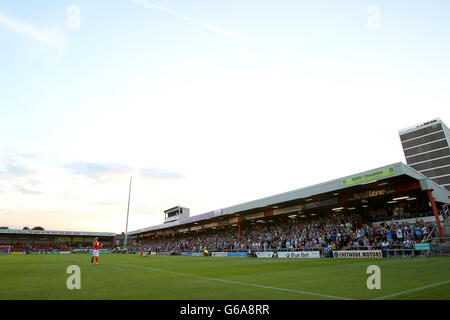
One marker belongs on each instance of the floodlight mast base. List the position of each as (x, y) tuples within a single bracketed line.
[(128, 213)]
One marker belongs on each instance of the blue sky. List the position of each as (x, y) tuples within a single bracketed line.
[(206, 103)]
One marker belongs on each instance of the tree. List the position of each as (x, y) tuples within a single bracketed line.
[(38, 228), (26, 228), (4, 228)]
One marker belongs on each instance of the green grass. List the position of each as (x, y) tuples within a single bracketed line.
[(195, 278)]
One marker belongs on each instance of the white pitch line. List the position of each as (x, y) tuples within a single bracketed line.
[(412, 290), (243, 283)]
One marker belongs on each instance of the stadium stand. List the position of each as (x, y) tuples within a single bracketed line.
[(41, 241), (391, 208), (339, 231)]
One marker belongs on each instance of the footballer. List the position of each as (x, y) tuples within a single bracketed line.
[(95, 250)]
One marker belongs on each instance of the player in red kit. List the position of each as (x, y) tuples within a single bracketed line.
[(95, 249)]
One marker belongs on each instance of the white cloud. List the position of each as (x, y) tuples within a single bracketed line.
[(46, 36), (82, 195), (205, 25)]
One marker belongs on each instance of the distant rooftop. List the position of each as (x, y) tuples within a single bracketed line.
[(385, 172), (421, 125), (56, 232)]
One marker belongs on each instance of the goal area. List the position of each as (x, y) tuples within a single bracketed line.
[(4, 249)]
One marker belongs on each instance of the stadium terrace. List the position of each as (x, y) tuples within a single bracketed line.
[(50, 241), (376, 195)]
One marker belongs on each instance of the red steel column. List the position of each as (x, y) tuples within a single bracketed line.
[(436, 214), (239, 228)]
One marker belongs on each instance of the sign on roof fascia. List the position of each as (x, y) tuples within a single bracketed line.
[(370, 176)]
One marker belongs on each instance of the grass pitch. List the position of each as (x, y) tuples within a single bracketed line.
[(205, 278)]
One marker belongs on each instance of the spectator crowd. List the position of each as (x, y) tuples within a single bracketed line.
[(335, 232)]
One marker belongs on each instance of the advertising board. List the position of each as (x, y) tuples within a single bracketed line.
[(299, 254), (220, 254), (358, 254), (266, 254), (237, 254)]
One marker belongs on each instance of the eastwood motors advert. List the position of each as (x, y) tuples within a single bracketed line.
[(358, 254)]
